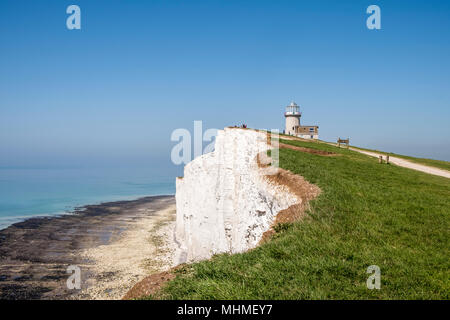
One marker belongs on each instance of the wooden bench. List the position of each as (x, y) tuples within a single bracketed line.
[(343, 141)]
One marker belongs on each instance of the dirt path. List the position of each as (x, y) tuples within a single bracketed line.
[(407, 164)]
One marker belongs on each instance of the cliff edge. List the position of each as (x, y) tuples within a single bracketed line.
[(224, 201)]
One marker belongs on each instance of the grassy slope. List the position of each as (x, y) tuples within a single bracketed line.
[(393, 217), (441, 164)]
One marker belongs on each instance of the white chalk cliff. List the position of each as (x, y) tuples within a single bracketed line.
[(224, 202)]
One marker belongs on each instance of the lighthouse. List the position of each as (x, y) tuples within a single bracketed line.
[(292, 116), (293, 127)]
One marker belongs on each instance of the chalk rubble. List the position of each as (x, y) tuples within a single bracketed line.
[(224, 202)]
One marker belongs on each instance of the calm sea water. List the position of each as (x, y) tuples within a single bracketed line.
[(36, 192)]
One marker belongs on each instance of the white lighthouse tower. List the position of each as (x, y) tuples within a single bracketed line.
[(292, 116)]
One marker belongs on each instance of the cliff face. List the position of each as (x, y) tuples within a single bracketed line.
[(224, 203)]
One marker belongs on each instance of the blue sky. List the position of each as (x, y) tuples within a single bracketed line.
[(112, 92)]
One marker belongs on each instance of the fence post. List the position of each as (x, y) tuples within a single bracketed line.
[(387, 159), (380, 160)]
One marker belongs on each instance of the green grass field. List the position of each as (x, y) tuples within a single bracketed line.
[(367, 214)]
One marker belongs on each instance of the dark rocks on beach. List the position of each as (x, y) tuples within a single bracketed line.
[(22, 292), (35, 253)]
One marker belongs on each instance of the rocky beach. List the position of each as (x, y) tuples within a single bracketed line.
[(115, 245)]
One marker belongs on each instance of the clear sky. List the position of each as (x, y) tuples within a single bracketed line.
[(112, 92)]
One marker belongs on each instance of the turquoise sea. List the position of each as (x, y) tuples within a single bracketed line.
[(48, 191)]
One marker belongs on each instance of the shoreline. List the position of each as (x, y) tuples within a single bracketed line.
[(73, 209), (115, 244)]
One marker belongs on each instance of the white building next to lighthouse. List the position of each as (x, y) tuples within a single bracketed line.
[(293, 126)]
